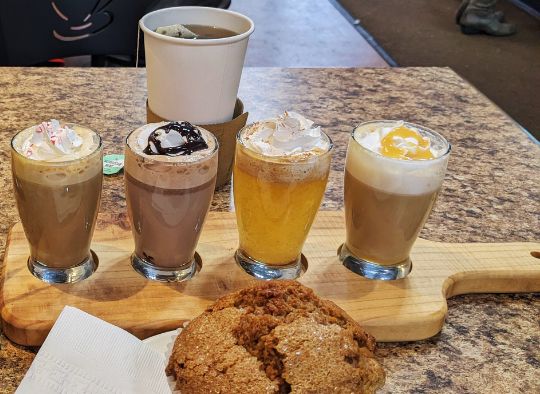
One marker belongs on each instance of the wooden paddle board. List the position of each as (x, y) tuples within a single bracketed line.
[(409, 309)]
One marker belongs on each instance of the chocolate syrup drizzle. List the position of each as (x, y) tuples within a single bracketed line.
[(192, 137)]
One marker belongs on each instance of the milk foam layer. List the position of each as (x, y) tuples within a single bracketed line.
[(289, 135), (408, 177), (170, 172), (56, 154)]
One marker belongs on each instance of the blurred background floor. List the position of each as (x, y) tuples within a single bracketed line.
[(303, 33), (300, 33), (424, 33)]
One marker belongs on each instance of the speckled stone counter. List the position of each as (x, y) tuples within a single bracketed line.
[(490, 343)]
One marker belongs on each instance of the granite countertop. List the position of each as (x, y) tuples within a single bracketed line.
[(490, 343)]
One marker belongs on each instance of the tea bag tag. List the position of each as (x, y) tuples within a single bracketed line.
[(113, 164)]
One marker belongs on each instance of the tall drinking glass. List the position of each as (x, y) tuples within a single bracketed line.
[(170, 174), (277, 195), (393, 173), (57, 177)]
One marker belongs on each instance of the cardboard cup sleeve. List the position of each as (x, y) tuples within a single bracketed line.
[(225, 134)]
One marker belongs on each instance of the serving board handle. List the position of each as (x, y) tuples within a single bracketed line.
[(493, 268)]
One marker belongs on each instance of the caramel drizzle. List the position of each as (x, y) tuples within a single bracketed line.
[(420, 151)]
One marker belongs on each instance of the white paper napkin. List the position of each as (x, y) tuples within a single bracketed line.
[(83, 354)]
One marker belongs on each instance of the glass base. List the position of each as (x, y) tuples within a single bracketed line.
[(371, 270), (161, 274), (266, 272), (63, 275)]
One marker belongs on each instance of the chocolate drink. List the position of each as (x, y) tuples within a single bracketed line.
[(170, 174), (59, 220), (167, 222), (383, 226)]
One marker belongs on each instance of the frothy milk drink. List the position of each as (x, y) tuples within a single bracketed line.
[(393, 174), (57, 177), (170, 174)]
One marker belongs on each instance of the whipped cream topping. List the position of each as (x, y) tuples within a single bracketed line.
[(398, 141), (52, 141), (176, 171), (287, 135)]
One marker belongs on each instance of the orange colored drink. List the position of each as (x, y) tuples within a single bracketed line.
[(276, 200)]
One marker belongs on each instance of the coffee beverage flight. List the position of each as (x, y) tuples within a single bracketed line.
[(170, 174), (280, 173), (57, 177), (393, 173)]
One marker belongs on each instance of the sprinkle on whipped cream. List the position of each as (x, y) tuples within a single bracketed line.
[(398, 141), (51, 139), (287, 135)]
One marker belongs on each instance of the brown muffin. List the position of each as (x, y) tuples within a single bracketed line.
[(275, 337)]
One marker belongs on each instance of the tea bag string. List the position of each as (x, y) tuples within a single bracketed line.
[(138, 45)]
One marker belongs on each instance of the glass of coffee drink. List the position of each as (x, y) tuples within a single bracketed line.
[(280, 173), (393, 173), (57, 177), (170, 174)]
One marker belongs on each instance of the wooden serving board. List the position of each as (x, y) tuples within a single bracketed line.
[(409, 309)]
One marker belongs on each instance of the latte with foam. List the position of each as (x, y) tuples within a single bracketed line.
[(57, 176), (393, 173)]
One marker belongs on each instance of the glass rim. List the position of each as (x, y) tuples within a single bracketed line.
[(276, 159), (393, 159), (98, 148), (171, 162)]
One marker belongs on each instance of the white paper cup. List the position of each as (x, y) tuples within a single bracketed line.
[(194, 80)]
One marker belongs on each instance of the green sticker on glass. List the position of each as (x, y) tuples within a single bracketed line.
[(113, 164)]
